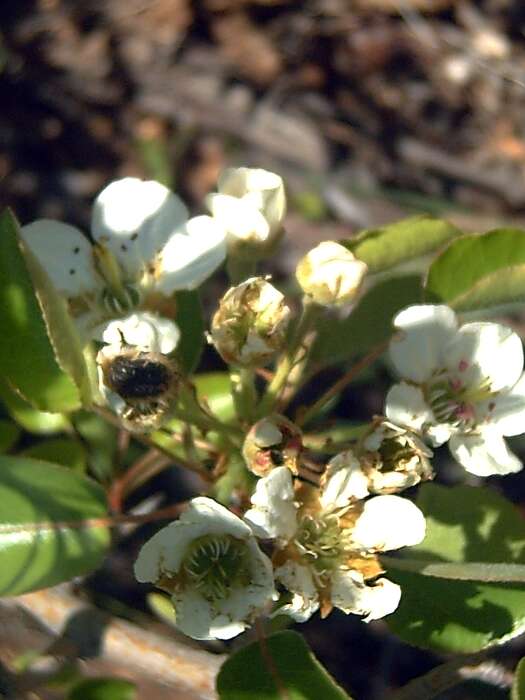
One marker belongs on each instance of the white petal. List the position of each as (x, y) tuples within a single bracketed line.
[(351, 595), (146, 331), (134, 219), (344, 481), (191, 255), (425, 330), (509, 413), (299, 581), (482, 351), (274, 513), (389, 522), (164, 552), (484, 454), (65, 254), (197, 617), (406, 405), (238, 217)]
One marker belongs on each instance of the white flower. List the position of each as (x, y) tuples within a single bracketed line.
[(144, 245), (464, 384), (210, 563), (330, 274), (327, 546), (144, 330), (250, 325), (250, 205)]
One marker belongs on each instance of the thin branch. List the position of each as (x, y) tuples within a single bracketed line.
[(341, 383)]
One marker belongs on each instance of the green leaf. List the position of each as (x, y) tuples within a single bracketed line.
[(27, 358), (464, 525), (103, 689), (64, 451), (190, 320), (215, 389), (30, 418), (369, 324), (477, 272), (101, 439), (518, 687), (278, 667), (385, 247), (46, 533), (9, 434)]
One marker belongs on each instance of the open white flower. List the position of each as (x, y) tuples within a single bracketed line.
[(143, 246), (210, 563), (464, 384), (250, 205), (326, 543)]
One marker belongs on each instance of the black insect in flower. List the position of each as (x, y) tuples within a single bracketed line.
[(142, 385)]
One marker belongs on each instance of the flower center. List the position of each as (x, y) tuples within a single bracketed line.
[(322, 542), (216, 564), (454, 402), (118, 295)]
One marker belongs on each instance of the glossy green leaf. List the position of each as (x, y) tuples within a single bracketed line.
[(518, 687), (215, 389), (103, 689), (30, 418), (67, 452), (477, 272), (464, 525), (369, 324), (46, 530), (388, 246), (9, 434), (27, 357), (190, 320), (101, 440), (281, 666)]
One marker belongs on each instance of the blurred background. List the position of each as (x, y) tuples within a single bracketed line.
[(370, 109)]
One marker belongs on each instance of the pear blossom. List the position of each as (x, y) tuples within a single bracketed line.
[(330, 274), (460, 383), (326, 542), (210, 563), (250, 326), (250, 205), (142, 247)]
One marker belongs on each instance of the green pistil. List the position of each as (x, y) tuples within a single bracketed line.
[(453, 402), (118, 295), (322, 543), (215, 564)]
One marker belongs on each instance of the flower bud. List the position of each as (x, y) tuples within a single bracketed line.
[(250, 206), (394, 458), (272, 442), (330, 274), (251, 323)]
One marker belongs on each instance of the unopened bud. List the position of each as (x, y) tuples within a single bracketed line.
[(394, 458), (272, 442), (250, 206), (330, 274), (251, 323)]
